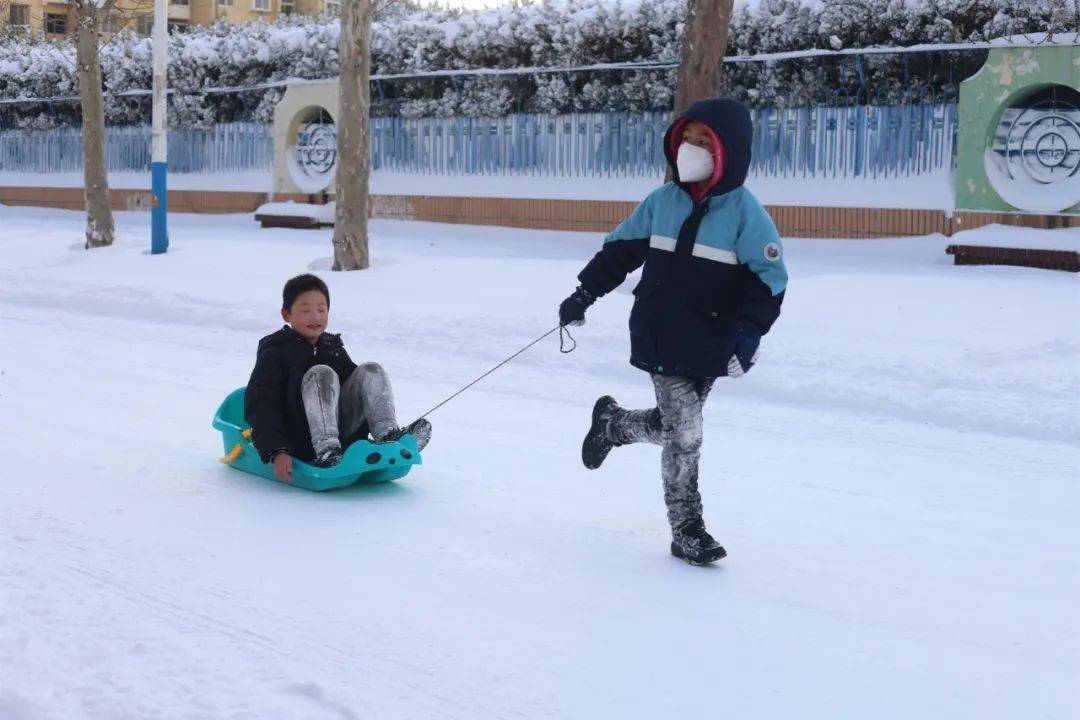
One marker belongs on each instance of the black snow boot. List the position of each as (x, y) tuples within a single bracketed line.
[(329, 457), (596, 447), (420, 429), (692, 543)]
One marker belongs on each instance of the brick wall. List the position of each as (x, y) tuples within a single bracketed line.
[(583, 215)]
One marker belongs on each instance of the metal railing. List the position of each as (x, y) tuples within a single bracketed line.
[(827, 141), (592, 144), (224, 148), (854, 141)]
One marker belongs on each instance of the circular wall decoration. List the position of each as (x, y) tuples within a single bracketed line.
[(312, 152), (1034, 160)]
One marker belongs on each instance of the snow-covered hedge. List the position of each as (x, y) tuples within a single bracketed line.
[(551, 33)]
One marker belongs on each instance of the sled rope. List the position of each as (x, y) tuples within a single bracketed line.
[(564, 333)]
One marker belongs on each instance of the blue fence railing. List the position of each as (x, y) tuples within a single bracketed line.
[(593, 144), (230, 147), (856, 141), (861, 141)]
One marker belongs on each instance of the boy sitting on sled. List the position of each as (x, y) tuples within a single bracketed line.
[(713, 281), (306, 398)]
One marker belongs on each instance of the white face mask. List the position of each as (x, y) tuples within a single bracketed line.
[(694, 163)]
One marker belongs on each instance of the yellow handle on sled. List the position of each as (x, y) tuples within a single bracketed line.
[(233, 454), (237, 450)]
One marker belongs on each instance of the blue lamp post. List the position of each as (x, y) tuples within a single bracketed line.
[(159, 227)]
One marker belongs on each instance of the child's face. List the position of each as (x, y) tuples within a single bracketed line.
[(696, 133), (309, 315)]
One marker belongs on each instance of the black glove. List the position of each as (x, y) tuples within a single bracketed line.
[(745, 353), (572, 309)]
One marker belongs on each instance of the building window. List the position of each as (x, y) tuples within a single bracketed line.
[(20, 15), (55, 24), (178, 26), (145, 25), (179, 2), (288, 7), (225, 3), (260, 5)]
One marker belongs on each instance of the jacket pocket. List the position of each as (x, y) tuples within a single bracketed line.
[(645, 288), (644, 323)]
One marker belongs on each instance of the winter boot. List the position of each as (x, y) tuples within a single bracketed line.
[(329, 457), (421, 430), (596, 447), (692, 543)]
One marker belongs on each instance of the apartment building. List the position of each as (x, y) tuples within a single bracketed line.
[(54, 17)]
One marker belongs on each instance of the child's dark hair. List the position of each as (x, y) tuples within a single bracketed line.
[(301, 284)]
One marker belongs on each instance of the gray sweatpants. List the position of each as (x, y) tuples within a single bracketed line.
[(336, 411), (675, 424)]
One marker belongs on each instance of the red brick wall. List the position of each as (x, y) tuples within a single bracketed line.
[(584, 215)]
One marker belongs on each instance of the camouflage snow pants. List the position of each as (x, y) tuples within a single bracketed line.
[(365, 403), (676, 425)]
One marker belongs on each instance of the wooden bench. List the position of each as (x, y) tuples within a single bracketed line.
[(1068, 260)]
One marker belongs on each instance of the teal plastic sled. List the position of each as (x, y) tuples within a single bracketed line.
[(364, 463)]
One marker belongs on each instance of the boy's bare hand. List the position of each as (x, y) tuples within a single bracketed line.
[(283, 467)]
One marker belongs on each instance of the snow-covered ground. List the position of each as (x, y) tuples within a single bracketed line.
[(245, 181), (932, 191), (896, 484)]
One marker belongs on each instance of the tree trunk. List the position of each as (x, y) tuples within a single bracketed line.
[(99, 220), (353, 127), (704, 46)]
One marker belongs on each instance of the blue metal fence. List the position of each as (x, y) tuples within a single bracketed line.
[(228, 147), (593, 144), (858, 141)]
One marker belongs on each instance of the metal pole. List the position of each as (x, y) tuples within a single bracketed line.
[(159, 228)]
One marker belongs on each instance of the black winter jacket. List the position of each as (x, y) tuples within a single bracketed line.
[(272, 403), (709, 265)]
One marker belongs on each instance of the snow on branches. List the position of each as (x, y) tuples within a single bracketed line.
[(554, 33)]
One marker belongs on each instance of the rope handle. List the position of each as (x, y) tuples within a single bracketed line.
[(564, 333)]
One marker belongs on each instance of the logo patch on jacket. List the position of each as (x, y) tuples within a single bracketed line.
[(772, 252)]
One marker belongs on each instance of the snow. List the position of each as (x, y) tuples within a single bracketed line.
[(514, 186), (322, 213), (896, 484), (313, 179), (1008, 236), (932, 191), (1025, 192), (1033, 40), (516, 38), (202, 51), (1038, 39), (243, 181)]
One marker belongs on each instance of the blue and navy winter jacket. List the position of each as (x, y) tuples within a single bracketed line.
[(708, 265)]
